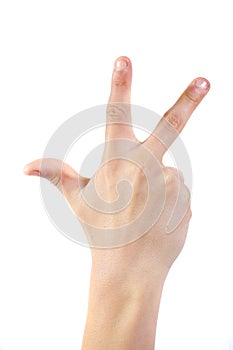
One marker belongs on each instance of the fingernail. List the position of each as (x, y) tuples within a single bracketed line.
[(35, 172), (202, 84), (121, 65)]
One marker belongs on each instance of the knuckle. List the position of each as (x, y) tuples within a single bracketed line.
[(118, 83), (116, 112), (172, 181), (183, 197), (176, 172), (191, 97), (171, 176), (173, 118), (56, 180), (109, 170)]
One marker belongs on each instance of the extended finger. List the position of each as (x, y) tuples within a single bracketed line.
[(60, 174), (177, 116), (118, 118)]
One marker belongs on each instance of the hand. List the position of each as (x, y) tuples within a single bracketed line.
[(131, 271)]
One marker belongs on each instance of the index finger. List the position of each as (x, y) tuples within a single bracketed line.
[(177, 116), (118, 115)]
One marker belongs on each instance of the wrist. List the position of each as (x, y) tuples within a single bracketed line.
[(121, 269), (122, 312)]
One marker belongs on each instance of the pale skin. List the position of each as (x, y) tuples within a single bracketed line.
[(127, 279)]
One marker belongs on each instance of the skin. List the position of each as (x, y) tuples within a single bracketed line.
[(127, 279)]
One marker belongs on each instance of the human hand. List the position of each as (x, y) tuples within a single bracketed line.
[(96, 202), (102, 203)]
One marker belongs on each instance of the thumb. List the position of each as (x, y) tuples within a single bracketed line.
[(60, 174)]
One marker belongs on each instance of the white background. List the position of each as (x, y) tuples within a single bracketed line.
[(56, 60)]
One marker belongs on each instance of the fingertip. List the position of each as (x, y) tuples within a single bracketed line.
[(121, 81), (26, 169), (29, 169), (196, 91), (202, 84), (122, 63)]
